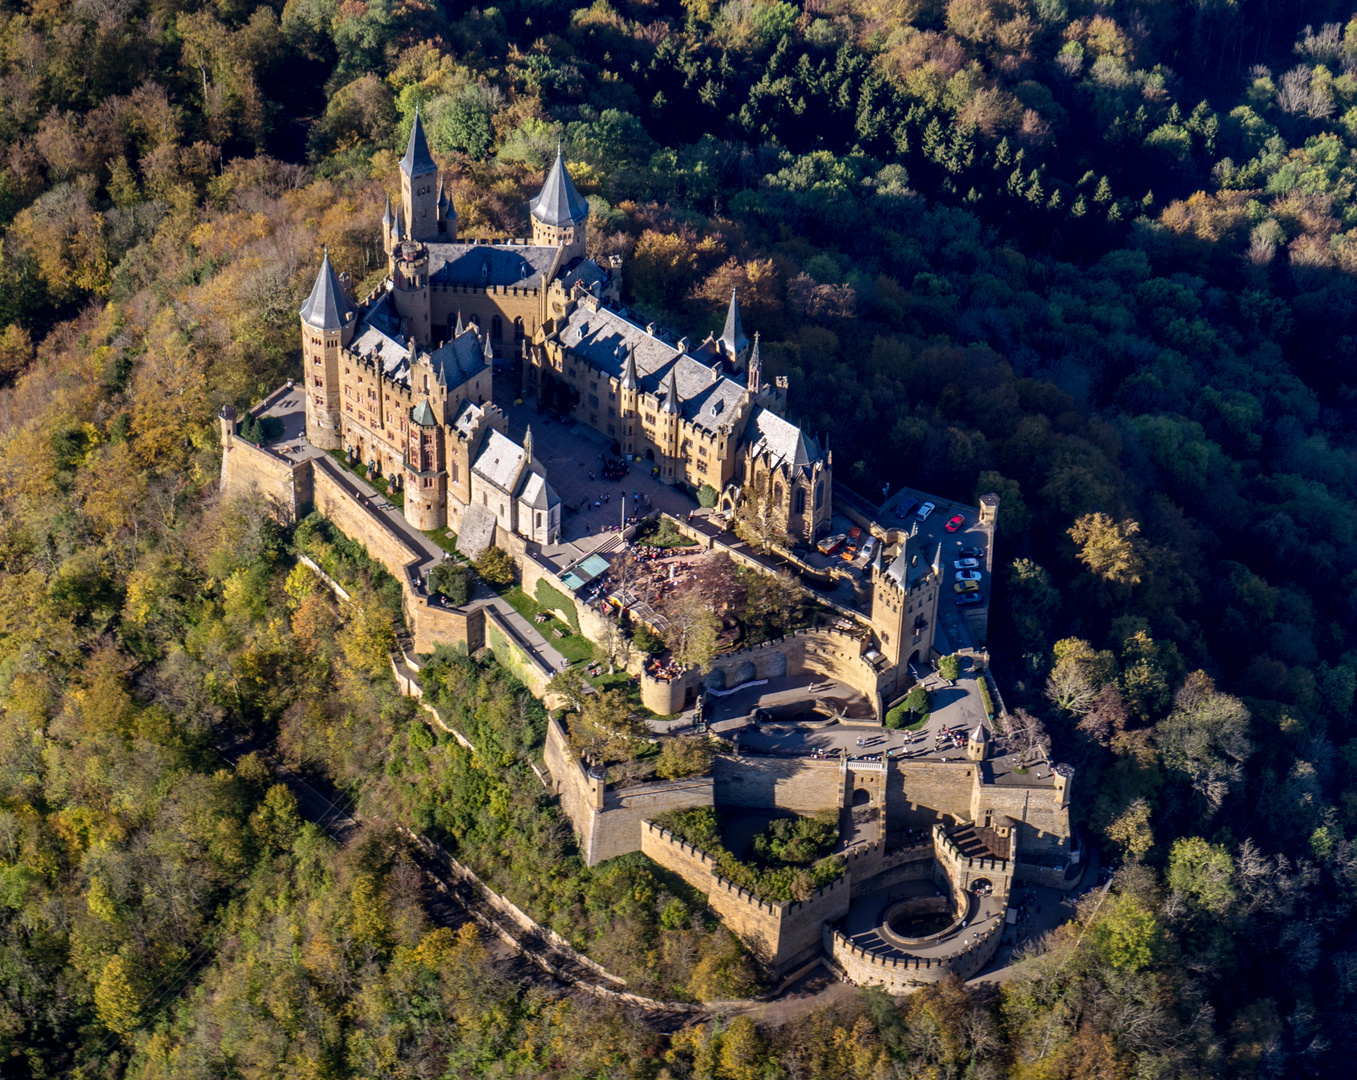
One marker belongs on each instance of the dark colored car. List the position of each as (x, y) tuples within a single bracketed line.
[(970, 553), (956, 523), (969, 598)]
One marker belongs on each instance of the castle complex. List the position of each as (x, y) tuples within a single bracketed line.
[(402, 379), (403, 382)]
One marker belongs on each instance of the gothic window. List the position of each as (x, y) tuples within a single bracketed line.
[(518, 329), (777, 493), (320, 381), (800, 501), (496, 328), (819, 494)]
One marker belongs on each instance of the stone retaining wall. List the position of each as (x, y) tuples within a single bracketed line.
[(779, 932), (900, 975)]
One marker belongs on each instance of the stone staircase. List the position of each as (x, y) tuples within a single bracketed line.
[(978, 843)]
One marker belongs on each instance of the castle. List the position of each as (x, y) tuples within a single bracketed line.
[(402, 381)]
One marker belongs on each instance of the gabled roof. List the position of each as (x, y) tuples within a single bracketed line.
[(459, 359), (786, 442), (500, 461), (558, 203), (422, 415), (327, 308), (417, 160), (500, 265), (732, 337), (537, 493)]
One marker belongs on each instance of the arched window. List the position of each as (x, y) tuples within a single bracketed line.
[(777, 494), (819, 494), (800, 501), (518, 329), (496, 328)]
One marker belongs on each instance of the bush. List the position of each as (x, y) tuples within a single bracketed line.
[(646, 639), (683, 757), (949, 667), (707, 496), (899, 717), (452, 581), (496, 567)]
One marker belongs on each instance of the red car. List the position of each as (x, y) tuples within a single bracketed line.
[(956, 523)]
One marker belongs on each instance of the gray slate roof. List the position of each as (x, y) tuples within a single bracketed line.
[(422, 414), (417, 160), (558, 203), (537, 493), (602, 339), (500, 461), (458, 360), (501, 265), (327, 308), (784, 440), (467, 417), (392, 354), (732, 337)]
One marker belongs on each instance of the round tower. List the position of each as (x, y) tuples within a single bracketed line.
[(425, 476), (410, 289), (627, 403)]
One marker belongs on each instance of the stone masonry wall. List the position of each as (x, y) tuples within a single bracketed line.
[(245, 467), (944, 787), (1043, 817), (901, 975), (802, 785), (780, 933), (608, 821)]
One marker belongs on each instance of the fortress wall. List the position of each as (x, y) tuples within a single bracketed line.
[(433, 625), (802, 785), (285, 486), (1044, 820), (607, 821), (513, 652), (944, 787), (901, 976), (335, 500), (780, 933)]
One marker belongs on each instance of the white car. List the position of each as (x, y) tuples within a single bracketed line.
[(969, 575), (924, 511), (966, 564)]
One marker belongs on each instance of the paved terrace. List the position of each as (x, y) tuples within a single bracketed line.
[(866, 914)]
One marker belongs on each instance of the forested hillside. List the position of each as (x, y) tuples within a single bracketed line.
[(1098, 258)]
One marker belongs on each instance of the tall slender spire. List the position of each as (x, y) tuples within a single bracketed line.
[(732, 337), (417, 160), (461, 329), (527, 444), (327, 308), (754, 373), (670, 391), (629, 380), (387, 219)]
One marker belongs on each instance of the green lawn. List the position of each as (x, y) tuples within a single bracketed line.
[(525, 605), (574, 647), (378, 482), (446, 540)]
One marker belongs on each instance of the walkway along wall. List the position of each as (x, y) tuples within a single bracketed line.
[(781, 933)]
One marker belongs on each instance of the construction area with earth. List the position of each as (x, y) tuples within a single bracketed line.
[(451, 413)]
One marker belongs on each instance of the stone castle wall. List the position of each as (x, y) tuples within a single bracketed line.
[(830, 653), (900, 975), (780, 933), (285, 486), (801, 785), (608, 821), (942, 787)]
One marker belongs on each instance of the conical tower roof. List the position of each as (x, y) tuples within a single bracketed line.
[(732, 337), (629, 380), (387, 219), (417, 160), (327, 308), (669, 388), (422, 415), (558, 203)]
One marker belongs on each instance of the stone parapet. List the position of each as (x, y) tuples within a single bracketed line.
[(902, 974)]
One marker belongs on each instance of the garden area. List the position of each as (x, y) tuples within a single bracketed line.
[(790, 857), (912, 713), (380, 483)]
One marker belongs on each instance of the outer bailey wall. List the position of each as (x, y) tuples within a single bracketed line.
[(944, 787), (245, 467), (831, 653), (1043, 822), (781, 933), (355, 521), (802, 785), (609, 822), (900, 976)]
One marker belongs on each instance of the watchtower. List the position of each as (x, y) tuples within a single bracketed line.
[(560, 213), (419, 186), (328, 321)]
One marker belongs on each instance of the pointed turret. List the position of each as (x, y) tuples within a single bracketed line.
[(417, 160), (732, 337), (527, 444), (327, 308), (669, 388), (754, 374), (558, 204), (461, 328), (489, 350), (397, 235), (387, 219), (629, 380)]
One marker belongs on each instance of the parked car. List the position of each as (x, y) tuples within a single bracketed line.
[(971, 553), (969, 598), (956, 523), (925, 510), (966, 586), (906, 508), (966, 564), (868, 548), (851, 548), (969, 575)]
